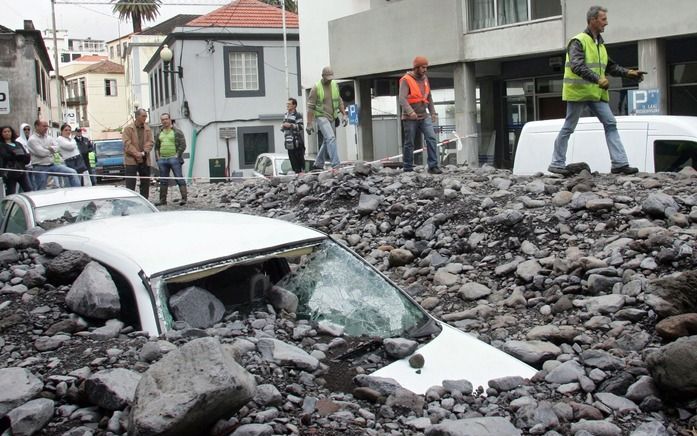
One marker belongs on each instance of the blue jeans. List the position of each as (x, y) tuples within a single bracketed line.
[(410, 130), (328, 148), (170, 163), (600, 109), (41, 176)]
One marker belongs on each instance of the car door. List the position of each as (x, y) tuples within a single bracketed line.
[(17, 219), (5, 206)]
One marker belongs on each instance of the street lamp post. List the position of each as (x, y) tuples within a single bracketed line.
[(166, 57)]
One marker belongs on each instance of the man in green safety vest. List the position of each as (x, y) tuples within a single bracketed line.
[(586, 84), (324, 105)]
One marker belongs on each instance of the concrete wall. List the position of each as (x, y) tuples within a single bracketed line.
[(203, 87), (17, 56), (536, 37), (381, 39), (629, 20), (314, 37)]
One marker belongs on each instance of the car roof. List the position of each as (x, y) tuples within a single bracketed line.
[(165, 241), (48, 197), (274, 155)]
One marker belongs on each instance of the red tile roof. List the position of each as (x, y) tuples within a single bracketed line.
[(90, 58), (103, 67), (246, 13)]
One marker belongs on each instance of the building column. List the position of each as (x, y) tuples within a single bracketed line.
[(465, 85), (365, 120), (652, 59)]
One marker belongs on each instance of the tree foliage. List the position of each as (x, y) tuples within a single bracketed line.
[(291, 5), (137, 11)]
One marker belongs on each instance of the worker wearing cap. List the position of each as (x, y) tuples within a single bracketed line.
[(324, 106), (418, 115)]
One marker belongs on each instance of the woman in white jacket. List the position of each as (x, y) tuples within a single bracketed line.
[(67, 147)]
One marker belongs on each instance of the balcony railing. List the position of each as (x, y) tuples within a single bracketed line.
[(76, 101)]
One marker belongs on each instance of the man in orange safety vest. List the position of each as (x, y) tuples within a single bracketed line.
[(415, 99)]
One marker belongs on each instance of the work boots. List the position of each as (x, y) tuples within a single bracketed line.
[(182, 190), (163, 196)]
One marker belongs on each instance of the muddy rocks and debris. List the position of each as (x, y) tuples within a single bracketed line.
[(591, 279)]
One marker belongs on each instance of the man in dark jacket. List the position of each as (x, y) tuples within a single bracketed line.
[(293, 135), (85, 146)]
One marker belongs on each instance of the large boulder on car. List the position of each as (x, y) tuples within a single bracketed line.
[(66, 267), (94, 294), (197, 307), (189, 389)]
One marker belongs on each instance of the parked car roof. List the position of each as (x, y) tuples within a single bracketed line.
[(49, 197), (156, 242), (48, 209)]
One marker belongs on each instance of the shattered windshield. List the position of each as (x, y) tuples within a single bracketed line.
[(334, 285), (56, 215)]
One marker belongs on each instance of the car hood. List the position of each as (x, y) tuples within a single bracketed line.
[(455, 355)]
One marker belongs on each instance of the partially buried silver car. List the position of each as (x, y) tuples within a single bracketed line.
[(52, 208), (230, 255)]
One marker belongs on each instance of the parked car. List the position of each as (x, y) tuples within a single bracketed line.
[(109, 160), (276, 164), (653, 143), (51, 208), (233, 255)]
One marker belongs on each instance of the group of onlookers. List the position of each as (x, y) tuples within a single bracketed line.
[(29, 158)]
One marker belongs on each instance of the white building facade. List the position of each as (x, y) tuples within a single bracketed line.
[(226, 85)]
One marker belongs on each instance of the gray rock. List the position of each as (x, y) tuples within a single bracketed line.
[(286, 354), (657, 203), (618, 404), (595, 428), (406, 400), (17, 386), (508, 218), (474, 291), (504, 384), (400, 257), (528, 269), (601, 359), (672, 367), (568, 372), (282, 299), (386, 386), (532, 352), (426, 231), (673, 295), (642, 388), (444, 277), (197, 307), (652, 428), (461, 386), (483, 426), (67, 266), (368, 203), (31, 417), (49, 343), (189, 389), (109, 330), (94, 294), (399, 348), (112, 389), (267, 395), (253, 430)]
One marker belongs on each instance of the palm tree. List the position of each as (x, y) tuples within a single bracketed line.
[(137, 11), (291, 5)]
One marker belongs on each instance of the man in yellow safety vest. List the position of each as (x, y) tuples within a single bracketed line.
[(324, 106), (585, 84)]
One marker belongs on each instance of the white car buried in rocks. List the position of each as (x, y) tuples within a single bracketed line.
[(238, 258)]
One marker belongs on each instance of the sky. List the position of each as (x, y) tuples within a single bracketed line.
[(91, 18)]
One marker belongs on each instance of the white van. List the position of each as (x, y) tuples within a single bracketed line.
[(653, 143)]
